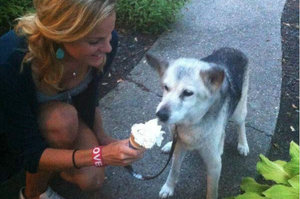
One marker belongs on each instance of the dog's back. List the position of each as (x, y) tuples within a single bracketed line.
[(234, 63)]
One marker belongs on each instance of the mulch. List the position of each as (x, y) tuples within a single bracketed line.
[(287, 128)]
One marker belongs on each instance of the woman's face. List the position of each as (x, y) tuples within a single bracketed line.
[(91, 49)]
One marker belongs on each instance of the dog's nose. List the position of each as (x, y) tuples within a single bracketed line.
[(163, 114)]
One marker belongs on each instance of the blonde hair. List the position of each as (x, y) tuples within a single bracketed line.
[(55, 22)]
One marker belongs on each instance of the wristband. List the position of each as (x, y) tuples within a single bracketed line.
[(97, 157)]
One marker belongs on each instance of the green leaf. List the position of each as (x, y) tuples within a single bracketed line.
[(250, 185), (250, 195), (292, 167), (294, 150), (282, 192), (273, 170), (294, 182), (229, 198)]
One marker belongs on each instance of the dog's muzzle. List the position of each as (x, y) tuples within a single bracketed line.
[(163, 114)]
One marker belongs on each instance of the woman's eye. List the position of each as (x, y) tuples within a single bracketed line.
[(93, 42), (187, 93)]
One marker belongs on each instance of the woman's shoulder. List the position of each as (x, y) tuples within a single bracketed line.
[(12, 47)]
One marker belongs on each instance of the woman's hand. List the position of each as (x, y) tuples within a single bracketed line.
[(120, 154)]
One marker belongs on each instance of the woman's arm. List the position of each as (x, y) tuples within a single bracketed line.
[(61, 159), (19, 113), (117, 154), (114, 152)]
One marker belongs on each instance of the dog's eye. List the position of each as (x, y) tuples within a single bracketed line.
[(166, 88), (187, 93)]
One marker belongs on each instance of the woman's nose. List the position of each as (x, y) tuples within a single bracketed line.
[(106, 48)]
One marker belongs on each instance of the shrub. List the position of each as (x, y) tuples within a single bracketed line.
[(148, 16), (12, 9), (283, 176)]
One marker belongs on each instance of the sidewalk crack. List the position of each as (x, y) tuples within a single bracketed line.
[(144, 88), (254, 128), (267, 134)]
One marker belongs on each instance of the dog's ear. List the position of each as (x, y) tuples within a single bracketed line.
[(213, 78), (158, 65)]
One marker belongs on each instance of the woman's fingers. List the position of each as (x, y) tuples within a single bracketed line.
[(120, 154), (130, 151)]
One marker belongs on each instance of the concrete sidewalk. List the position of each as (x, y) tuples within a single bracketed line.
[(251, 26)]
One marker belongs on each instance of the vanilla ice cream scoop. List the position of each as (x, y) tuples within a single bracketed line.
[(148, 134)]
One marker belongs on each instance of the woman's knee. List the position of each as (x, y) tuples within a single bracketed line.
[(59, 124), (91, 179)]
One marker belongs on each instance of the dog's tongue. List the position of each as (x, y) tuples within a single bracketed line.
[(148, 134)]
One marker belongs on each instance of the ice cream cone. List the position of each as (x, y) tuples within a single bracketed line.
[(133, 144)]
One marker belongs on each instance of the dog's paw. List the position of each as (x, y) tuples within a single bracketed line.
[(243, 149), (166, 191), (167, 148)]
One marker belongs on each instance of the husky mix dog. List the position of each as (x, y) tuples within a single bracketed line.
[(200, 96)]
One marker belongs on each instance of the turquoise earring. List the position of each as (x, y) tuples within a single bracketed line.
[(60, 53)]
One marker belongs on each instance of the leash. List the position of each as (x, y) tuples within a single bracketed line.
[(146, 177)]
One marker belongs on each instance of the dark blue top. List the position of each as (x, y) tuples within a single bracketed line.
[(21, 143)]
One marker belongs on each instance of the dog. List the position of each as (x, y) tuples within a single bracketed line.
[(199, 98)]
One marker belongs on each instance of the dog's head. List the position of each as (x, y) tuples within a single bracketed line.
[(190, 87)]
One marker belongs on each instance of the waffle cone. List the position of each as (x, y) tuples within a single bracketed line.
[(134, 144)]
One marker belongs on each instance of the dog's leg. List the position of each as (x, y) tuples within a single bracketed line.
[(169, 186), (167, 147), (243, 147), (221, 144), (239, 117), (213, 162)]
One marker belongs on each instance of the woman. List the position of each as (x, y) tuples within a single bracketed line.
[(49, 76)]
